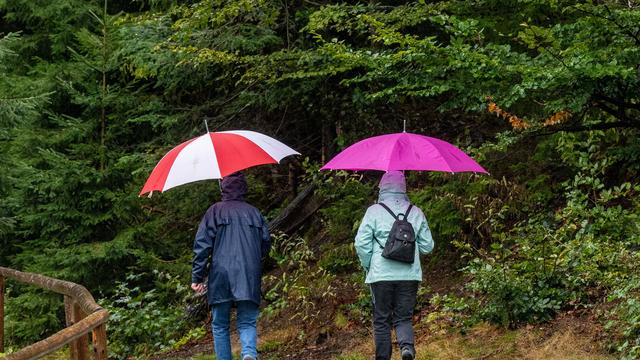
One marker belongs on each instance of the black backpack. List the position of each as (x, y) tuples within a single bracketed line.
[(401, 243)]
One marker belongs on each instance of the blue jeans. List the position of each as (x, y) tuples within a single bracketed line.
[(246, 322)]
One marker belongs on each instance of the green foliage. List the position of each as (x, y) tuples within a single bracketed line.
[(445, 221), (513, 298), (290, 252), (140, 325), (624, 317), (51, 24), (31, 315), (446, 311), (360, 310), (94, 93), (297, 288), (298, 292), (269, 345), (193, 335), (348, 198), (338, 258), (16, 105), (561, 260)]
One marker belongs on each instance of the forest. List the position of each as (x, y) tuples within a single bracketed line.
[(544, 94)]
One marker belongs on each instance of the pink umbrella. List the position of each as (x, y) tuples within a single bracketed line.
[(213, 156), (403, 151)]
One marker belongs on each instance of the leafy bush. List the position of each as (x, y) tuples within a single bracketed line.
[(298, 292), (361, 309), (31, 314), (348, 198), (141, 323), (624, 318), (511, 298), (550, 261), (338, 258), (437, 203), (454, 310), (290, 252), (299, 287)]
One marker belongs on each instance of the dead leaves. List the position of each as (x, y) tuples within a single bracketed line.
[(519, 123)]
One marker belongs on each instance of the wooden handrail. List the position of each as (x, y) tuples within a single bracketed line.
[(83, 315)]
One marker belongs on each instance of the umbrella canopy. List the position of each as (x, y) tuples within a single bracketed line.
[(213, 156), (403, 151)]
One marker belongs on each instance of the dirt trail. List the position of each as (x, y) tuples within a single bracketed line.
[(566, 338)]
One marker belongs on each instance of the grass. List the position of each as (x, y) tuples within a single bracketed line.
[(58, 355), (565, 339), (354, 356), (484, 341), (204, 357)]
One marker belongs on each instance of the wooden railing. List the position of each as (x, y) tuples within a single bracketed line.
[(82, 313)]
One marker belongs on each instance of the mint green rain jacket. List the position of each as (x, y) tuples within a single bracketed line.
[(377, 222)]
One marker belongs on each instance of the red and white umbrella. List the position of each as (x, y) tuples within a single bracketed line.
[(213, 156)]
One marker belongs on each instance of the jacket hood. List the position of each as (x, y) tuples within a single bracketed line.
[(233, 187), (392, 186)]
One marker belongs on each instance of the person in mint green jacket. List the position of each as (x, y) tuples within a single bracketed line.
[(394, 284)]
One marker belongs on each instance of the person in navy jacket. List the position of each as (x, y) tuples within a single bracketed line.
[(232, 239)]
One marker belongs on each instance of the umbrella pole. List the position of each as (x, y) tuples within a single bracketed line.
[(206, 126), (404, 125)]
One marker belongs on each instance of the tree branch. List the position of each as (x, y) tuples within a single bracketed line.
[(617, 102), (622, 27), (619, 113)]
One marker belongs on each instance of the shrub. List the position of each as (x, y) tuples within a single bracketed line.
[(623, 319), (31, 315), (510, 298), (338, 258), (141, 323), (347, 200)]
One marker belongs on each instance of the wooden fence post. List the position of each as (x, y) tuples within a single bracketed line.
[(79, 348), (99, 335), (68, 314), (1, 314), (83, 342)]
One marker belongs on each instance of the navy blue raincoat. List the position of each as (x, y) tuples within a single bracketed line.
[(231, 241)]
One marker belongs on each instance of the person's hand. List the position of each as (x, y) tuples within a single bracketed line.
[(199, 288)]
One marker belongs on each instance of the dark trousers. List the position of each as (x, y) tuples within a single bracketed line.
[(393, 303)]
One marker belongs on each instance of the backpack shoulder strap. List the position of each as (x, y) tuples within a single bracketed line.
[(389, 210), (406, 213), (376, 239), (374, 236)]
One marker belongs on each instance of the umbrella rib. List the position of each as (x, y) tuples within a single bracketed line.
[(437, 150), (215, 154), (393, 150)]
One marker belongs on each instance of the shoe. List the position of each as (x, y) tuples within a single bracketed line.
[(407, 354), (249, 357)]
